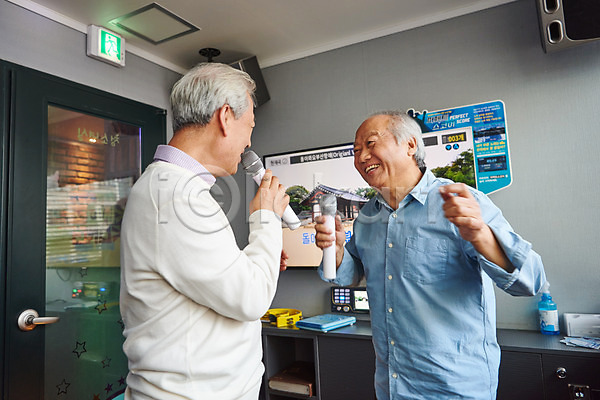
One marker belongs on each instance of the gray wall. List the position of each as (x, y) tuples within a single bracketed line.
[(551, 101), (36, 42), (552, 105)]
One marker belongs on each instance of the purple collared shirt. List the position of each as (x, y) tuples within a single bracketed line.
[(175, 156)]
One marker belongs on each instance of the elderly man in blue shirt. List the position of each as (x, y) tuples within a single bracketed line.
[(430, 250)]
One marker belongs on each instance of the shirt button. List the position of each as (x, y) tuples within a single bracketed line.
[(389, 277), (390, 245), (394, 375), (392, 342), (390, 309), (394, 215)]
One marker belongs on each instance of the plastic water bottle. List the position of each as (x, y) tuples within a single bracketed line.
[(548, 313)]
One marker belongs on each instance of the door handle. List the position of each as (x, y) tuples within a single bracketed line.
[(29, 319)]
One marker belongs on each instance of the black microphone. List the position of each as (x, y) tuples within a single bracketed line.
[(254, 167)]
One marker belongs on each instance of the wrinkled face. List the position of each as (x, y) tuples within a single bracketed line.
[(378, 157), (241, 130)]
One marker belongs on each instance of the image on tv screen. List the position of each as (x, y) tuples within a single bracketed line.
[(307, 175)]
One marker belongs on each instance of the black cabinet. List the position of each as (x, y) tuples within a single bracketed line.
[(520, 376), (538, 367), (281, 348), (533, 366), (344, 360), (571, 377), (548, 377), (346, 367)]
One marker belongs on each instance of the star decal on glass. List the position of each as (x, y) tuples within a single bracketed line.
[(106, 362), (63, 386), (122, 381), (79, 349), (120, 322), (108, 388), (101, 306), (96, 397)]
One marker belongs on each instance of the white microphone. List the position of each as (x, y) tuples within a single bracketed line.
[(328, 205), (254, 167)]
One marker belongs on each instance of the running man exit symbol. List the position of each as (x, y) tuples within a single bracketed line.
[(110, 45), (105, 45)]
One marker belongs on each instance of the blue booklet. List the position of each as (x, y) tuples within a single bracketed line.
[(325, 322)]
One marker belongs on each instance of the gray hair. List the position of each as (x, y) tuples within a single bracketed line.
[(206, 88), (404, 127)]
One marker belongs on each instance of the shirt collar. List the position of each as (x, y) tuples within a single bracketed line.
[(418, 193), (175, 156), (422, 189)]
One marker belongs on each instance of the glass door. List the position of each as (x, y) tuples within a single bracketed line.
[(92, 164), (75, 152)]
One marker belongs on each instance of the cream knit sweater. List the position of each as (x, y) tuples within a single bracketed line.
[(190, 298)]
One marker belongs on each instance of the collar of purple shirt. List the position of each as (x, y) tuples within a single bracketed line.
[(175, 156)]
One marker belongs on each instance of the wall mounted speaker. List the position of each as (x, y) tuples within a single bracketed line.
[(567, 23), (250, 66)]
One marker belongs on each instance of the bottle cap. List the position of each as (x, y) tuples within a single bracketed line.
[(546, 288)]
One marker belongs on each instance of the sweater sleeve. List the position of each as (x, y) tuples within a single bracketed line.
[(198, 256)]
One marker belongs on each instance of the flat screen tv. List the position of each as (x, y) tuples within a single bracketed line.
[(307, 175)]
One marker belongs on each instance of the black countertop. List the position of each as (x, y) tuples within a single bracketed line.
[(509, 339)]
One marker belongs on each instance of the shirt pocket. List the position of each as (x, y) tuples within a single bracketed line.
[(425, 260)]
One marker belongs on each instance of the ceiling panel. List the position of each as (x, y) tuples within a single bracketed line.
[(273, 31)]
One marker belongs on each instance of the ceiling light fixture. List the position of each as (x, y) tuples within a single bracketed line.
[(209, 53)]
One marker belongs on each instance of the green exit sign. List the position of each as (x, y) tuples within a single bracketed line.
[(106, 46)]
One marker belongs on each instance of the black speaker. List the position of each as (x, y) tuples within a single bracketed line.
[(250, 66), (567, 23)]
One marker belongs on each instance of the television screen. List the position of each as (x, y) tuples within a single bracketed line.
[(307, 175)]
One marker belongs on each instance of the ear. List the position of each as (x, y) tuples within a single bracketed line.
[(411, 146), (224, 116)]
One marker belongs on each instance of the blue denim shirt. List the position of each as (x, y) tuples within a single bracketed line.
[(431, 296)]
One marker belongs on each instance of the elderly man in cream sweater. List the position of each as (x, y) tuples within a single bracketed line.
[(191, 299)]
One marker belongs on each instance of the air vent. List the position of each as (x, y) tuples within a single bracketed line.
[(155, 24)]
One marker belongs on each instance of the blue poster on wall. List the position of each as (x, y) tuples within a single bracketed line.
[(468, 144)]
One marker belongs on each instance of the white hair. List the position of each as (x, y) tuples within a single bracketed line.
[(404, 127), (206, 88)]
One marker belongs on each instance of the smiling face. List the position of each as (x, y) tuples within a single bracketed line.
[(380, 159)]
